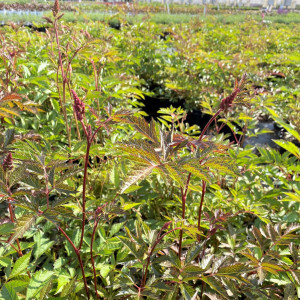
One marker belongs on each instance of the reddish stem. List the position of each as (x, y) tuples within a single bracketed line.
[(64, 81), (77, 252), (92, 257), (209, 122), (84, 191), (183, 199), (89, 142), (143, 283)]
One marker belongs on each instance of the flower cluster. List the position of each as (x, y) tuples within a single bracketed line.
[(227, 102), (55, 8), (79, 106), (8, 162)]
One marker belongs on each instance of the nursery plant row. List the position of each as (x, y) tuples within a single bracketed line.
[(138, 162)]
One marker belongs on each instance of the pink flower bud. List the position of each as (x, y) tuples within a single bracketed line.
[(79, 106), (227, 102), (8, 162)]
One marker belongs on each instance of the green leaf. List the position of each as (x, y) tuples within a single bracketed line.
[(8, 292), (175, 261), (233, 269), (45, 291), (23, 224), (132, 188), (2, 176), (292, 197), (193, 252), (128, 206), (289, 292), (6, 228), (116, 228), (20, 265), (104, 269), (9, 136), (37, 282), (68, 288), (187, 291), (5, 261), (194, 167), (31, 180), (16, 175), (42, 244), (130, 245), (289, 128), (215, 285), (289, 146), (137, 174), (114, 176), (61, 282), (55, 105), (20, 284)]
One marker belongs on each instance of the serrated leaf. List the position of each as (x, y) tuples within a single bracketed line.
[(294, 252), (68, 288), (206, 261), (215, 285), (141, 148), (286, 126), (5, 261), (8, 292), (45, 291), (258, 236), (289, 292), (292, 197), (68, 174), (9, 136), (198, 171), (61, 200), (272, 233), (20, 284), (193, 252), (138, 174), (6, 228), (42, 244), (130, 245), (296, 275), (16, 175), (64, 188), (292, 228), (37, 282), (288, 146), (222, 164), (2, 175), (270, 267), (174, 259), (190, 269), (31, 181), (174, 172), (23, 224), (233, 269), (249, 255), (116, 228), (143, 127), (20, 265), (131, 189), (52, 216), (187, 291)]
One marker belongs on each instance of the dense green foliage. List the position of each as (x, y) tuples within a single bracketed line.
[(98, 203)]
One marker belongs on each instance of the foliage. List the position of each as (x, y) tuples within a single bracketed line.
[(97, 202)]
